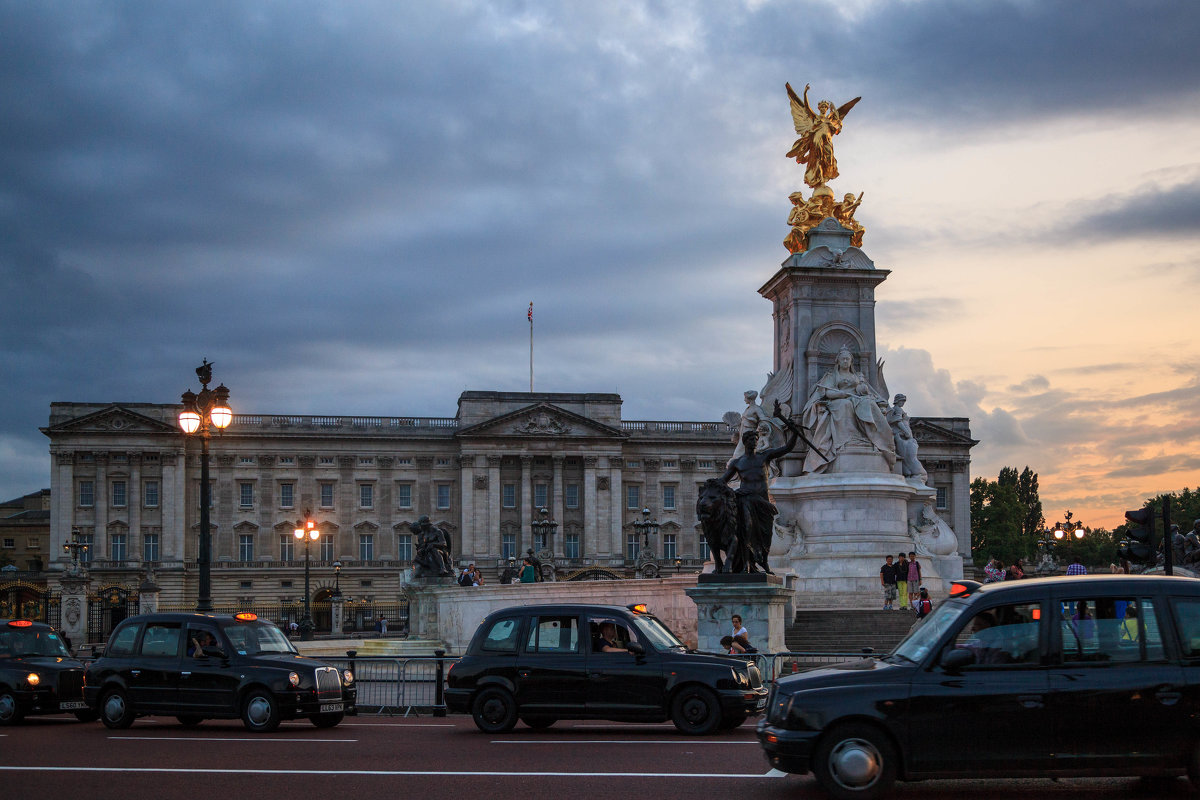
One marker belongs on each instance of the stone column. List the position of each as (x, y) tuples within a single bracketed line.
[(466, 512), (557, 509), (616, 523), (133, 550), (62, 518), (337, 606), (174, 507), (526, 504), (494, 496), (103, 496), (148, 595), (591, 509)]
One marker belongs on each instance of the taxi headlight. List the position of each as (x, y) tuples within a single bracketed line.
[(347, 677), (293, 679), (33, 679)]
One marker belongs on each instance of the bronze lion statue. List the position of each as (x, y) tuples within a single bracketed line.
[(716, 508)]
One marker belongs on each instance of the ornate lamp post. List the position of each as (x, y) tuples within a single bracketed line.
[(1052, 536), (543, 528), (202, 412), (76, 546), (647, 527), (309, 532), (337, 574), (1068, 528)]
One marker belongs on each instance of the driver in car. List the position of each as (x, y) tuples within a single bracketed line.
[(607, 643)]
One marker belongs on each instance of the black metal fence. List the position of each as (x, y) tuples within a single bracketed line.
[(357, 617)]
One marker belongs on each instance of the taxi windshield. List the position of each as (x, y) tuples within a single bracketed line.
[(257, 638), (918, 643), (18, 643), (657, 633)]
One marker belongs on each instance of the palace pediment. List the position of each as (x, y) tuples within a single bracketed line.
[(927, 433), (113, 419), (542, 420)]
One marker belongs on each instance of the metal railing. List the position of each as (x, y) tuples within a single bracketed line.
[(415, 684)]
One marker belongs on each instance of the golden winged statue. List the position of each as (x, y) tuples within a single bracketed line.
[(816, 129)]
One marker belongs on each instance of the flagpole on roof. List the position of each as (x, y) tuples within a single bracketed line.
[(531, 347)]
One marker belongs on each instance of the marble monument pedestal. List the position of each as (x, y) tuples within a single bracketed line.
[(835, 527), (759, 599)]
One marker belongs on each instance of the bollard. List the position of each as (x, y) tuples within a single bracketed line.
[(439, 697)]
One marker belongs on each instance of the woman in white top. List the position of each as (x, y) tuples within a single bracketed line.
[(738, 628)]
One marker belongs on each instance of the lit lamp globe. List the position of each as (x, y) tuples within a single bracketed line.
[(221, 413), (189, 418)]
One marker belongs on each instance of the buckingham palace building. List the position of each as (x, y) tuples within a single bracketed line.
[(126, 481)]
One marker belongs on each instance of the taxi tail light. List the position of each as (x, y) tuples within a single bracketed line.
[(1037, 613)]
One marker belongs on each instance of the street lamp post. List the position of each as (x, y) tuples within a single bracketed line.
[(309, 532), (543, 529), (1053, 536), (337, 575), (76, 546), (647, 527), (202, 412)]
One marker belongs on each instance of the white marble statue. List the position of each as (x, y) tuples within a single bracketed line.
[(906, 444), (931, 535), (843, 409)]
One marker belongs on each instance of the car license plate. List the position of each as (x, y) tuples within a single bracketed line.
[(329, 707), (72, 705)]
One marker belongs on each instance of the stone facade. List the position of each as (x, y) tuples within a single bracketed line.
[(124, 475)]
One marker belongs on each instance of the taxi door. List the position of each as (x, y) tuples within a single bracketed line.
[(625, 684), (552, 667), (207, 683), (993, 715), (152, 676), (1118, 700)]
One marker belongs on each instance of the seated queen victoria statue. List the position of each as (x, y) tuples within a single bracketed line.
[(843, 410)]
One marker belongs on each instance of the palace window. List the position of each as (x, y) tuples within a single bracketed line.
[(702, 548), (668, 498), (943, 497), (287, 547), (669, 549), (328, 551), (246, 547), (85, 556), (287, 497), (366, 461), (572, 495), (404, 546), (633, 546), (326, 461), (326, 495), (633, 496), (540, 493), (150, 547), (366, 495), (150, 494), (287, 460), (443, 496), (404, 495), (571, 545), (118, 494), (87, 494), (245, 495), (366, 547), (508, 545), (116, 546), (509, 495)]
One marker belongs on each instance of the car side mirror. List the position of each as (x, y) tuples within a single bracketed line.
[(957, 658), (635, 648)]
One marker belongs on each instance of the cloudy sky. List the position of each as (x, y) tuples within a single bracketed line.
[(348, 207)]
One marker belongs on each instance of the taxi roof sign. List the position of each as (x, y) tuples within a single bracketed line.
[(246, 616), (964, 588), (638, 608), (20, 623)]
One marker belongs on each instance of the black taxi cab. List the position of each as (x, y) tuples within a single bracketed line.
[(37, 673), (1053, 677), (544, 663), (202, 666)]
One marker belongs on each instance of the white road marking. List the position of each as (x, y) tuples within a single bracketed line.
[(607, 741), (223, 739), (398, 773)]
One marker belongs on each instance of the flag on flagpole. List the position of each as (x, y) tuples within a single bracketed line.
[(531, 312)]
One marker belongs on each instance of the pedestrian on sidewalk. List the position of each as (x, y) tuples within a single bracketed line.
[(887, 579), (1076, 567), (924, 604), (901, 566), (914, 578)]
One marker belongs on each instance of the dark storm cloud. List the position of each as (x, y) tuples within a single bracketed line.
[(1151, 212), (349, 206)]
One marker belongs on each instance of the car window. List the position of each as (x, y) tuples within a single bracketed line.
[(1002, 636), (929, 631), (123, 641), (30, 642), (620, 637), (201, 640), (256, 638), (161, 639), (659, 634), (501, 636), (1107, 630), (1187, 611), (553, 634)]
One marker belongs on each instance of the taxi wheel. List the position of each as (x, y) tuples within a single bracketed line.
[(115, 710), (494, 711), (189, 720), (260, 712), (696, 711), (10, 710), (539, 723), (855, 762), (87, 716), (331, 720)]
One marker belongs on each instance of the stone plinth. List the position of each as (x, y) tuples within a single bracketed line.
[(337, 606), (838, 525), (760, 600)]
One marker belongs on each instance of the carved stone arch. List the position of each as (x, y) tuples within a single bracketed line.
[(366, 526), (510, 527), (117, 526), (825, 343), (286, 526), (573, 527), (245, 526), (670, 526)]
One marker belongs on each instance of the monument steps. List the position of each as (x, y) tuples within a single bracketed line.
[(848, 630)]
